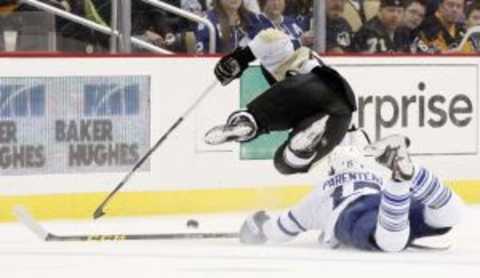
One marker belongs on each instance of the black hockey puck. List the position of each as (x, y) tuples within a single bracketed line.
[(192, 223)]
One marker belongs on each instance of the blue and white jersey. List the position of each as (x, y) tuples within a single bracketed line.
[(321, 208), (288, 25), (304, 22), (240, 36)]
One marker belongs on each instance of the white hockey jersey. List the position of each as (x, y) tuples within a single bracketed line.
[(322, 207), (332, 196)]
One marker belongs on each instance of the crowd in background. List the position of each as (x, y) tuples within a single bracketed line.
[(365, 26)]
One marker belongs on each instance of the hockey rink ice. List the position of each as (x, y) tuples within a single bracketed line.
[(22, 254)]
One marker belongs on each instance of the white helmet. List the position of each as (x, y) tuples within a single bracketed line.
[(346, 158)]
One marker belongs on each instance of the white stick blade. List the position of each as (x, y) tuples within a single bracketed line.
[(24, 217)]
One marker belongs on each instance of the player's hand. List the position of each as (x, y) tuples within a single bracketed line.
[(227, 69), (252, 229)]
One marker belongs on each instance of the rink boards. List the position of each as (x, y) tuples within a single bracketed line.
[(70, 131)]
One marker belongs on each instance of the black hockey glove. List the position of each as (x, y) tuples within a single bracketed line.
[(232, 65), (252, 229)]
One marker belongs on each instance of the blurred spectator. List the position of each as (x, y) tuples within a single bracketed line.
[(151, 24), (302, 11), (164, 29), (442, 31), (380, 33), (7, 6), (272, 17), (252, 5), (339, 32), (413, 17), (234, 25), (473, 19), (432, 7), (79, 38), (197, 7), (358, 12)]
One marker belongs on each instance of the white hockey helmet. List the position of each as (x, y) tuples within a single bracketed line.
[(346, 158)]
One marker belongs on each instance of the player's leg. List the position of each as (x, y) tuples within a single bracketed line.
[(241, 126), (438, 208), (278, 108), (281, 107), (435, 207), (311, 141), (381, 221)]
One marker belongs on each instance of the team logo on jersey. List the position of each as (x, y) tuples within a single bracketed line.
[(22, 100), (109, 99), (344, 39)]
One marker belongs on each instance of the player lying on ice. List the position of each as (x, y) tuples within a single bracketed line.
[(356, 207), (307, 97)]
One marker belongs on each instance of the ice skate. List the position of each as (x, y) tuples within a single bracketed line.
[(227, 133), (305, 141), (392, 152), (402, 166), (240, 127)]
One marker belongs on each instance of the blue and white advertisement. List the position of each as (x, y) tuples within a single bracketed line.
[(73, 124)]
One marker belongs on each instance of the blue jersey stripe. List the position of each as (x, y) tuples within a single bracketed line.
[(294, 220), (284, 230)]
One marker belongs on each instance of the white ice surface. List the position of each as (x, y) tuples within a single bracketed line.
[(24, 255)]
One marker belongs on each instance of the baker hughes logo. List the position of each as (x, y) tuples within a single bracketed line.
[(91, 139), (111, 99), (422, 109), (20, 102)]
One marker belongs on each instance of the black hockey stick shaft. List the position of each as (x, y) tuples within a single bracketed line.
[(99, 212), (122, 237)]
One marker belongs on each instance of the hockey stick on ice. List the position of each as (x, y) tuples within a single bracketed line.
[(429, 248), (99, 212), (24, 217)]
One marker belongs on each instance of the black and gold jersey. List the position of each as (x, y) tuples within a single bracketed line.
[(434, 36), (373, 37)]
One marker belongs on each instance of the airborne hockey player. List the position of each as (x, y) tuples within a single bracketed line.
[(307, 97)]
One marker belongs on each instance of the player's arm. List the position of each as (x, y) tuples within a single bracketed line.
[(269, 46), (263, 227)]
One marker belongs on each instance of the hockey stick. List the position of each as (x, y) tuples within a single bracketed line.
[(99, 211), (429, 248), (25, 218)]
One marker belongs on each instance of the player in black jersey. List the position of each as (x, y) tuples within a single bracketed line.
[(308, 98), (380, 34)]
